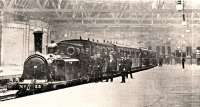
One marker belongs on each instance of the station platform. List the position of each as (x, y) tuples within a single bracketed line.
[(9, 72), (166, 86)]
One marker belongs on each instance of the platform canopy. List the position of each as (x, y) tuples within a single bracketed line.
[(148, 17), (104, 12)]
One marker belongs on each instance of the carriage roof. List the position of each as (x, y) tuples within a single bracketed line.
[(87, 42)]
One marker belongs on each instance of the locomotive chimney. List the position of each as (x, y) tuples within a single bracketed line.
[(38, 41)]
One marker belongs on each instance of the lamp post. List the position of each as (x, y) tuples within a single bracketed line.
[(169, 53), (182, 42)]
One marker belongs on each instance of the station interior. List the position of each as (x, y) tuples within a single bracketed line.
[(168, 27), (151, 24)]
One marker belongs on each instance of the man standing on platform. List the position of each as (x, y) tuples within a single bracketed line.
[(123, 70), (183, 63), (123, 73), (160, 61), (129, 65)]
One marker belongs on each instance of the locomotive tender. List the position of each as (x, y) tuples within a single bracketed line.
[(78, 61)]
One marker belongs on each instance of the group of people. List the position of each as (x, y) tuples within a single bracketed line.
[(125, 68), (160, 62)]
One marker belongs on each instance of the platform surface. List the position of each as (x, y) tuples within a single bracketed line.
[(9, 72), (166, 86)]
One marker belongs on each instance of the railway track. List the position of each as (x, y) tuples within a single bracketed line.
[(7, 94), (12, 94)]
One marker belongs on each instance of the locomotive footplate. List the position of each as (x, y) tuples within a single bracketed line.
[(32, 86)]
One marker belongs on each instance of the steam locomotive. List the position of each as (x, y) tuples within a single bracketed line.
[(77, 61)]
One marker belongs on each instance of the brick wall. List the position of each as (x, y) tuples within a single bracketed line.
[(18, 41)]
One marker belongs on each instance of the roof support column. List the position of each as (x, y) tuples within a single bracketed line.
[(1, 27)]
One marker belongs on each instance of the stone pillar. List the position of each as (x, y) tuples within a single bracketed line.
[(1, 24)]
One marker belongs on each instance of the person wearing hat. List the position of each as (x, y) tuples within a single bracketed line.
[(129, 65), (123, 70), (183, 63)]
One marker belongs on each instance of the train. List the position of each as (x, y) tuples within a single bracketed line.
[(78, 61)]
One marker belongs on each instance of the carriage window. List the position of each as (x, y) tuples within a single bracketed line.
[(87, 51), (128, 52), (82, 50), (137, 54), (102, 50), (51, 49), (134, 53), (61, 51), (105, 51), (57, 51), (122, 52), (98, 49), (119, 51), (94, 49), (108, 50)]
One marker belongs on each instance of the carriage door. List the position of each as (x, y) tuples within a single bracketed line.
[(38, 41)]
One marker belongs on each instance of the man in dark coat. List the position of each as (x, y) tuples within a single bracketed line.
[(123, 70), (110, 74), (160, 61), (183, 63), (128, 66)]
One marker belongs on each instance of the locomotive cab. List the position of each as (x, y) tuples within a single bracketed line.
[(66, 69)]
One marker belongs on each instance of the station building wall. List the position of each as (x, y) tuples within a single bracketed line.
[(18, 41)]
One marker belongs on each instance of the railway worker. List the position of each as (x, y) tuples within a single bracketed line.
[(140, 57), (105, 59), (126, 66), (51, 77), (183, 63), (123, 70), (110, 74), (102, 68), (99, 62), (160, 61), (129, 65), (111, 66)]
